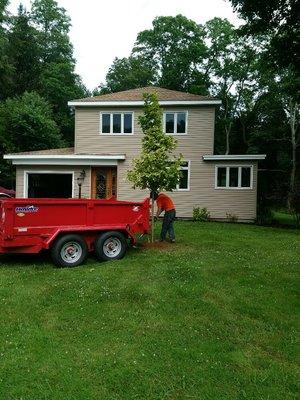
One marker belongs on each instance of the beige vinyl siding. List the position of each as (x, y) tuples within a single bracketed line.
[(197, 142), (20, 177), (88, 139)]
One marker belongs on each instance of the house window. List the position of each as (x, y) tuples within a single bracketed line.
[(233, 177), (184, 181), (175, 123), (116, 123)]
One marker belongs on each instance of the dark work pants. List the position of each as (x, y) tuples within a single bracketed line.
[(167, 225)]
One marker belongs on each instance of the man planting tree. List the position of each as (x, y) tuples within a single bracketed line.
[(165, 203)]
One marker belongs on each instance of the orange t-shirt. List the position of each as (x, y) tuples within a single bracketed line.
[(164, 202)]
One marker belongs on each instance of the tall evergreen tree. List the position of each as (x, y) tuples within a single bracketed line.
[(58, 81), (53, 25), (6, 69), (24, 54)]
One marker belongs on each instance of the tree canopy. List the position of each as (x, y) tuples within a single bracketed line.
[(279, 19)]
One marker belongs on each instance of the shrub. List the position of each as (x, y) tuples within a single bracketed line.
[(294, 205), (201, 214), (231, 217)]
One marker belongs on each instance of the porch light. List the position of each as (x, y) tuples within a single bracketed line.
[(80, 180)]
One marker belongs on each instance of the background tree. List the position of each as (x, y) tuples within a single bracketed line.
[(24, 54), (280, 20), (53, 25), (128, 73), (58, 81), (26, 124), (156, 168), (6, 69), (176, 46)]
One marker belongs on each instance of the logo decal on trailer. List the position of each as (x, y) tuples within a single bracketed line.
[(136, 208), (21, 211)]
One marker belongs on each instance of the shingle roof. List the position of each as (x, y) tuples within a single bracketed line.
[(66, 151), (137, 95), (62, 151)]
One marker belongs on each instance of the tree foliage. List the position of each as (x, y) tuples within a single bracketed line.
[(279, 19), (26, 124), (128, 73), (23, 53), (175, 45), (53, 25), (156, 168)]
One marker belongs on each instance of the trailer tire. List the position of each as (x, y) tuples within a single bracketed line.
[(69, 251), (110, 246)]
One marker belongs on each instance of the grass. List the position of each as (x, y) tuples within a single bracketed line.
[(212, 317)]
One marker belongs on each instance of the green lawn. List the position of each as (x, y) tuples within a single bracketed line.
[(212, 317)]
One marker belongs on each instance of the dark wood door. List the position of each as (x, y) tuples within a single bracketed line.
[(104, 182)]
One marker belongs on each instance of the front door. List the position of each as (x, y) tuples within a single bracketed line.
[(104, 182)]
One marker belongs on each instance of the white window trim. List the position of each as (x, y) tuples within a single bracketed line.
[(175, 122), (26, 173), (188, 168), (111, 124), (239, 187)]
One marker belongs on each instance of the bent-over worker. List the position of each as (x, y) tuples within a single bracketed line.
[(165, 203)]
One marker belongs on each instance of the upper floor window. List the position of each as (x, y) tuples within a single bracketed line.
[(175, 123), (116, 123), (234, 177)]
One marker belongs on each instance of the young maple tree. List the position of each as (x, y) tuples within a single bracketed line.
[(156, 168)]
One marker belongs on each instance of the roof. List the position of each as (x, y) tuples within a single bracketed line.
[(61, 151), (136, 96), (64, 156)]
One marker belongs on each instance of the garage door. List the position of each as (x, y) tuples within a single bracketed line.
[(51, 185)]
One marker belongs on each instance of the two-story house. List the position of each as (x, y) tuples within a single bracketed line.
[(108, 137)]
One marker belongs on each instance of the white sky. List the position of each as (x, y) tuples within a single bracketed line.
[(105, 29)]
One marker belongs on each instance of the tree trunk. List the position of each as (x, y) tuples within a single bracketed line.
[(227, 131), (152, 219), (293, 115), (244, 134)]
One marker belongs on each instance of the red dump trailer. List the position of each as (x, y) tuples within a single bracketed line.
[(71, 228)]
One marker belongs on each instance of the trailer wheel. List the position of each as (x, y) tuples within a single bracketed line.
[(69, 251), (110, 246)]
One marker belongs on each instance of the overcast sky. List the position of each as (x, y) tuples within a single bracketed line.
[(102, 30)]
